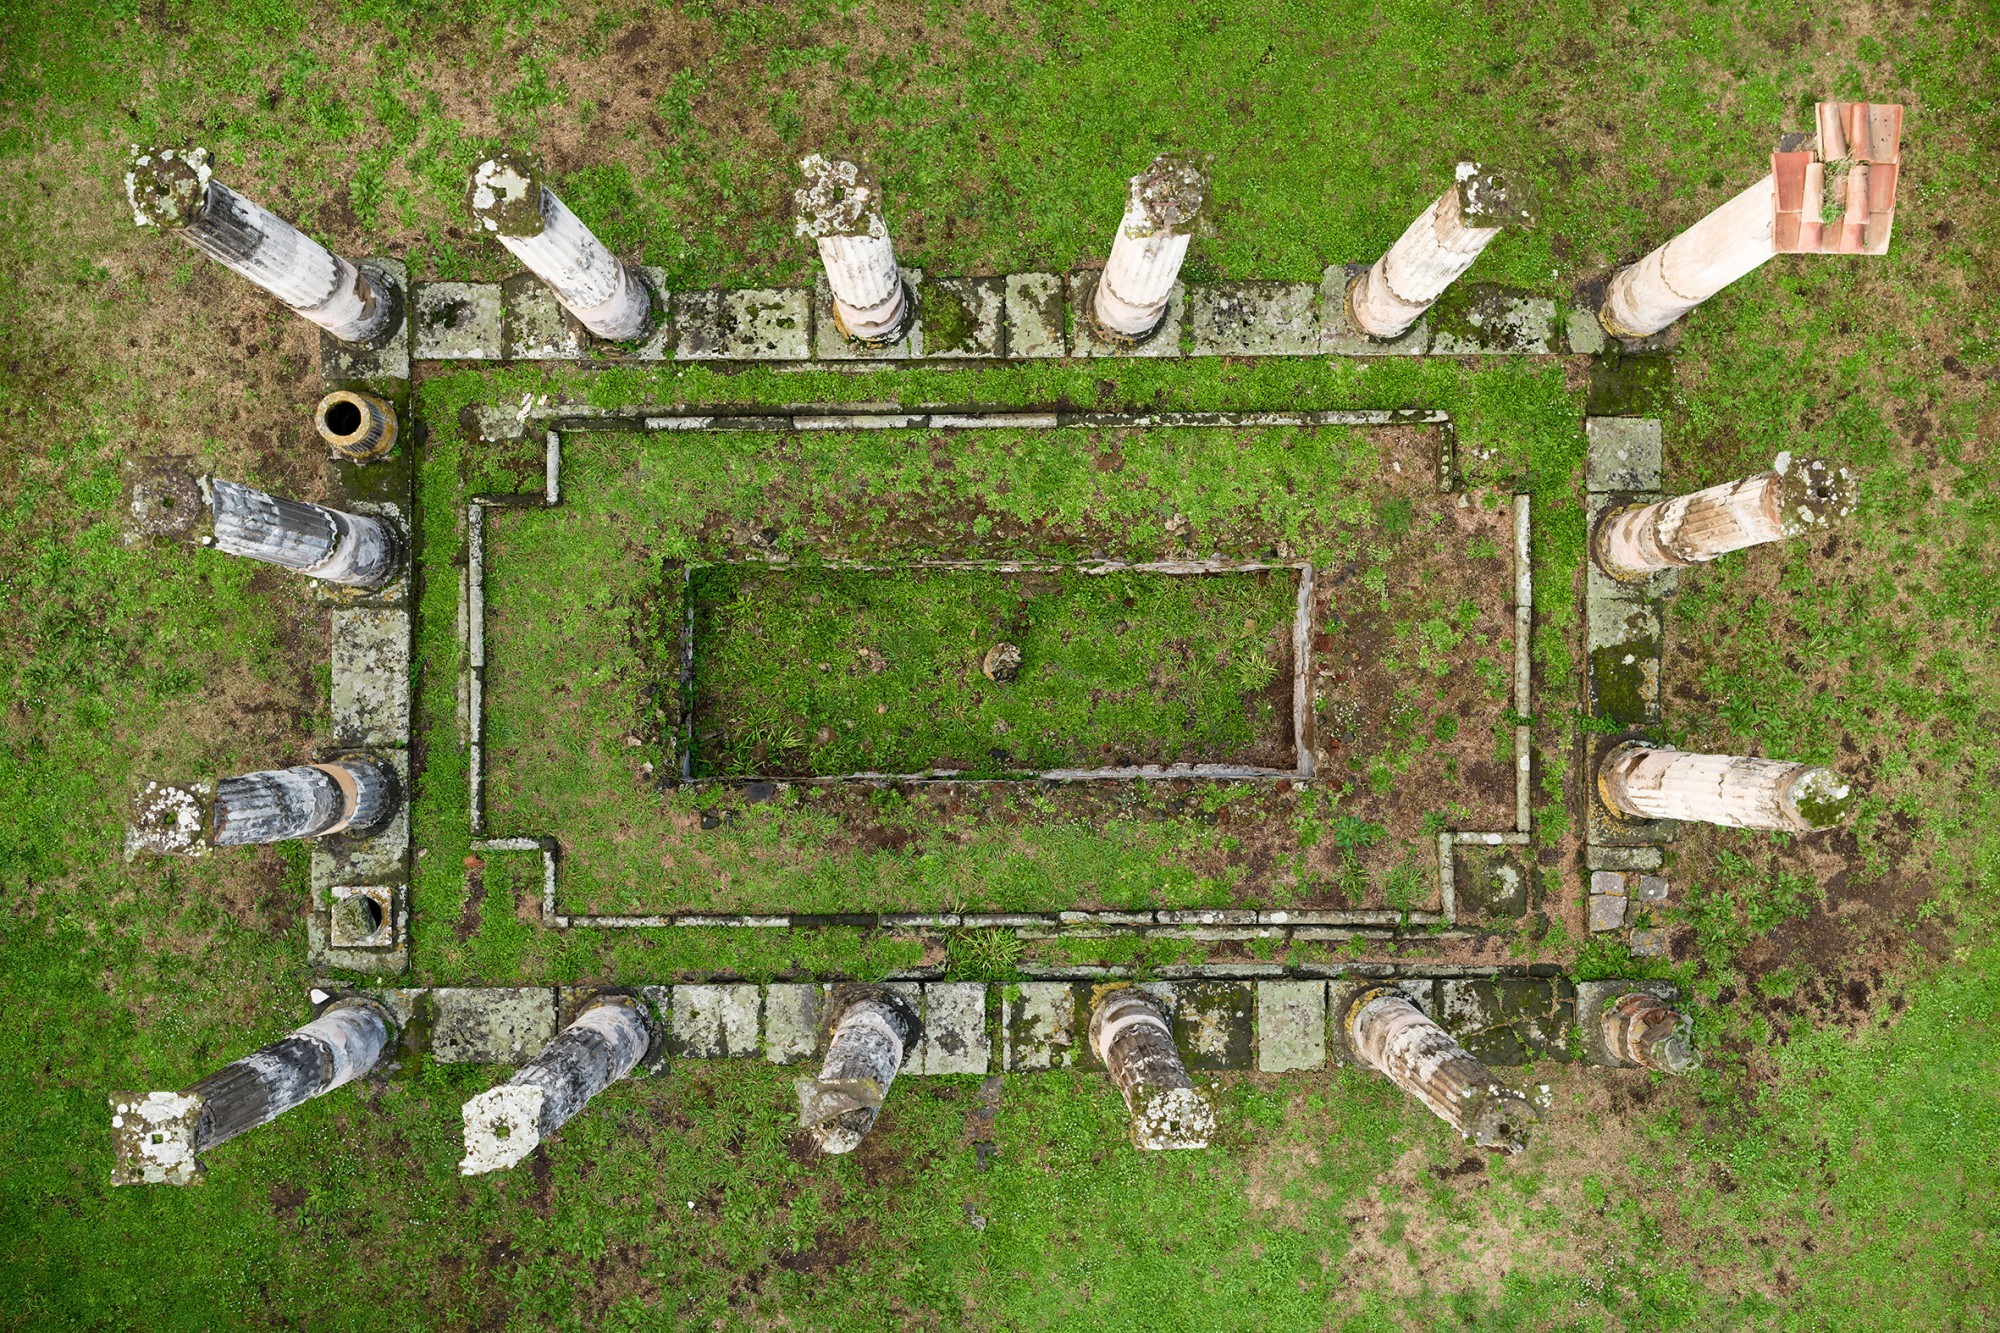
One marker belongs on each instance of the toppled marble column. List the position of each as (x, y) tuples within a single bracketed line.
[(158, 1137), (1161, 206), (352, 794), (604, 1044), (1438, 247), (873, 1033), (173, 189), (1641, 1030), (358, 550), (358, 426), (1389, 1034), (1645, 297), (1798, 497), (1656, 782), (605, 293), (1130, 1034), (840, 208)]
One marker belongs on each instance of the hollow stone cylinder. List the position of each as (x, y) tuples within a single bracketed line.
[(1130, 300), (1645, 297), (875, 1031), (604, 1044), (1389, 1034), (354, 549), (354, 793), (158, 1136), (1640, 1030), (510, 201), (1799, 497), (1130, 1034), (1655, 782), (358, 426), (173, 189), (840, 209), (1436, 249)]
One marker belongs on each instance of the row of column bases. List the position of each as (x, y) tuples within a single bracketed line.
[(160, 1136)]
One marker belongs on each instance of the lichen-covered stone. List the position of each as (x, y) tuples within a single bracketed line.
[(756, 325), (1212, 1023), (170, 819), (370, 694), (1489, 320), (1035, 316), (1291, 1025), (1255, 319), (153, 1138), (1607, 911), (1621, 453), (962, 317), (492, 1024), (791, 1021), (955, 1036), (714, 1022), (533, 324), (458, 321), (1040, 1022)]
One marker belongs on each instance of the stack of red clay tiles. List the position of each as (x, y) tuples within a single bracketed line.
[(1861, 142)]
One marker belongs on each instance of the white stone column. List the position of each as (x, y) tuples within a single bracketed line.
[(604, 1044), (510, 201), (874, 1032), (1130, 1034), (158, 1136), (358, 426), (1640, 1030), (354, 793), (1657, 782), (358, 550), (1798, 497), (172, 189), (1645, 297), (1146, 253), (840, 208), (1438, 247), (1389, 1034)]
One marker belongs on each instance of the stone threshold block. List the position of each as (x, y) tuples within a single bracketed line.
[(1485, 320), (1254, 319), (458, 321), (1164, 341), (370, 694), (748, 325), (533, 324), (962, 317), (1035, 305)]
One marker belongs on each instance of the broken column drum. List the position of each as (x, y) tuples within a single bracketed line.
[(351, 794), (1129, 1032), (1735, 239), (1657, 782), (840, 208), (359, 550), (605, 293), (1389, 1034), (875, 1032), (1642, 1031), (1438, 247), (1799, 497), (604, 1044), (358, 426), (159, 1136), (172, 189), (1130, 300)]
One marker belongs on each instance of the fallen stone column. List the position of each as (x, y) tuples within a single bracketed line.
[(508, 198), (1389, 1034), (172, 189), (1645, 297), (1655, 782), (1640, 1030), (1160, 210), (1131, 1035), (841, 209), (1438, 247), (352, 794), (873, 1034), (158, 1137), (354, 549), (1801, 496), (603, 1045), (358, 426)]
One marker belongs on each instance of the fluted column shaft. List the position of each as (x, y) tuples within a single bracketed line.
[(840, 209), (354, 549), (1435, 251), (874, 1034), (1130, 1034), (1640, 1030), (1807, 495), (604, 1044), (1654, 782), (354, 792), (1148, 248), (1735, 239), (1389, 1034), (511, 202)]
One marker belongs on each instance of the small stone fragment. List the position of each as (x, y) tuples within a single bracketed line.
[(1002, 663)]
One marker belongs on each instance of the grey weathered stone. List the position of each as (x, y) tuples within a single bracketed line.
[(1621, 453), (1131, 1038), (658, 344), (1035, 316), (791, 1021), (830, 344), (752, 325), (1652, 889), (534, 326), (1607, 911), (371, 677), (1164, 341), (501, 1025), (1607, 881), (1650, 943), (1497, 322), (1291, 1025), (1255, 319), (458, 321), (170, 819), (1623, 858), (713, 1022), (1507, 1020), (1586, 335), (955, 1038), (1337, 337), (1623, 634), (1039, 1028), (1212, 1023), (364, 916), (962, 317)]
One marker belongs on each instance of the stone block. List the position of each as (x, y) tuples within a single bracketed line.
[(1039, 1025), (1593, 997), (1607, 911), (1255, 319), (1491, 882), (533, 324), (1621, 453), (1623, 858), (1035, 316), (955, 1036), (791, 1022), (1291, 1025), (658, 344), (1337, 337), (713, 1022), (752, 325), (1652, 889), (1165, 340), (830, 344), (1508, 1020), (1607, 881), (1481, 319), (376, 925), (458, 321), (1212, 1024), (1585, 335), (371, 677), (1622, 629), (1651, 943), (501, 1025), (385, 360), (963, 317)]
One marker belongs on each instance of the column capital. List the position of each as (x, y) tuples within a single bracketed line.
[(167, 186)]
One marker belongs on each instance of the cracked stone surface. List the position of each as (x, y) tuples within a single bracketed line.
[(1035, 315), (371, 677), (491, 1024), (713, 1022), (458, 321)]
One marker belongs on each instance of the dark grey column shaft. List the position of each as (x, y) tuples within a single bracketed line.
[(354, 549), (874, 1034), (354, 792), (1389, 1034), (1131, 1035), (603, 1045)]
